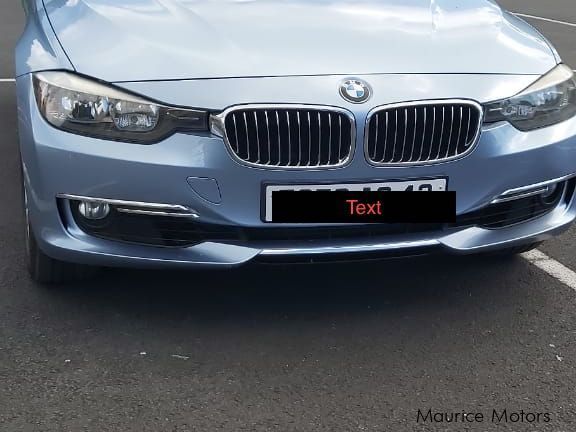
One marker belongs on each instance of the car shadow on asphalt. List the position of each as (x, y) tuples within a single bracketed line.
[(271, 291)]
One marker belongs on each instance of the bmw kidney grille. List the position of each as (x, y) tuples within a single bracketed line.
[(294, 137), (422, 133)]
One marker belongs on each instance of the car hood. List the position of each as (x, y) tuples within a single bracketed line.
[(136, 40)]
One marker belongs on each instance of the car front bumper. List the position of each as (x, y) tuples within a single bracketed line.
[(60, 163)]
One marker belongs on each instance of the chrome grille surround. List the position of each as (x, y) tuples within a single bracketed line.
[(312, 132), (446, 129)]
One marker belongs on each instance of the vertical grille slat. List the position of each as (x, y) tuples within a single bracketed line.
[(319, 139), (309, 139), (468, 127), (457, 148), (405, 133), (299, 139), (414, 134), (441, 142), (289, 138), (385, 137), (386, 131), (329, 139), (247, 135), (395, 135), (424, 132), (257, 137), (292, 137), (433, 136), (450, 135), (339, 138), (268, 136), (278, 142), (236, 134)]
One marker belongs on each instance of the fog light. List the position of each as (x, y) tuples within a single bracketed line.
[(93, 210), (551, 195), (551, 190)]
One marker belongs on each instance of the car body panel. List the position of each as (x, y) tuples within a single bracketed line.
[(38, 47), (143, 40)]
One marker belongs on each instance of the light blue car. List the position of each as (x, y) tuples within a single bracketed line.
[(157, 132)]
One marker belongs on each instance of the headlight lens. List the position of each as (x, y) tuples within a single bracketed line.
[(550, 100), (87, 107)]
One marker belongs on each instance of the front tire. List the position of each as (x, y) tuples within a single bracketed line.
[(48, 271), (44, 269)]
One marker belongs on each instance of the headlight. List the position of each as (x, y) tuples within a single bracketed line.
[(86, 107), (550, 100)]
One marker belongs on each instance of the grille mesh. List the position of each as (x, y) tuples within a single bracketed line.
[(290, 137), (422, 133)]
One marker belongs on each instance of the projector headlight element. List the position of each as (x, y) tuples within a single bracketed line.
[(87, 107), (550, 100)]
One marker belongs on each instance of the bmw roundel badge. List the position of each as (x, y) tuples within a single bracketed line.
[(355, 90)]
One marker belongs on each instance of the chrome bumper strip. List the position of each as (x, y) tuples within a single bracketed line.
[(351, 249)]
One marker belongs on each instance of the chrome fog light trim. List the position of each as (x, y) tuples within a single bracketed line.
[(544, 188), (155, 212), (136, 207)]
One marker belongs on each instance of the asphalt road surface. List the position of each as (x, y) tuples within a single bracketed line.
[(359, 347)]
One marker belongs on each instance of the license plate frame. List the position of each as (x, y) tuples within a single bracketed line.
[(439, 184)]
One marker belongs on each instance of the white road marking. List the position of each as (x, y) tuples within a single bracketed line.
[(545, 19), (7, 80), (552, 267)]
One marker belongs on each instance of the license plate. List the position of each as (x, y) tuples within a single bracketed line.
[(424, 185)]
